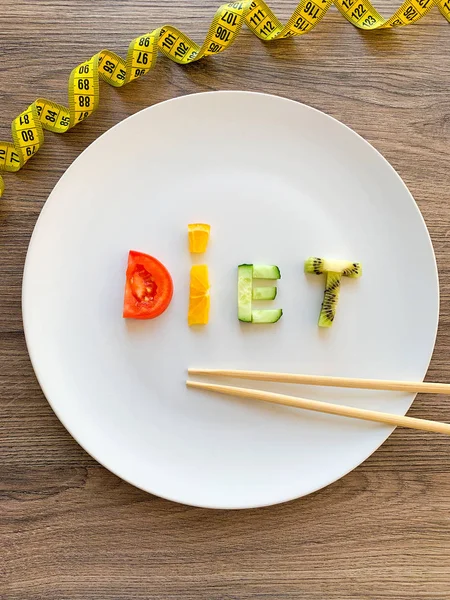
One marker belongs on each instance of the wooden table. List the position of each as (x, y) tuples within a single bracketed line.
[(70, 529)]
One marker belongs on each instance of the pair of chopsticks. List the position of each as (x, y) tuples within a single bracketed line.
[(326, 407)]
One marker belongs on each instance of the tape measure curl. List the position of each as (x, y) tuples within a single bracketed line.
[(27, 128)]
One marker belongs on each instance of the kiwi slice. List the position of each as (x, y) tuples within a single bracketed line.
[(319, 266), (334, 270), (330, 299)]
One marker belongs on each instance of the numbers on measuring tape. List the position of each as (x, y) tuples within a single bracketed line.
[(267, 28), (182, 50), (230, 18), (223, 34), (109, 66), (311, 10), (410, 13), (142, 58), (169, 41), (51, 116), (27, 135), (257, 17), (143, 50), (84, 101), (84, 84), (359, 11), (369, 21), (214, 47)]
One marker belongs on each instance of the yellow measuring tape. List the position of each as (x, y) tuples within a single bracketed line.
[(27, 128)]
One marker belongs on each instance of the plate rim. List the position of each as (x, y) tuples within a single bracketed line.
[(33, 353)]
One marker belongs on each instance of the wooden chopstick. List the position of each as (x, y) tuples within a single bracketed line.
[(324, 407), (344, 382)]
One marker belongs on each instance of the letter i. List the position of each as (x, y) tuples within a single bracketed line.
[(199, 299)]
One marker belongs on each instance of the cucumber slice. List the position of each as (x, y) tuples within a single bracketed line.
[(245, 285), (266, 316), (264, 293), (266, 272)]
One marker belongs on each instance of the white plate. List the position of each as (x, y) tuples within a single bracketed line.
[(278, 181)]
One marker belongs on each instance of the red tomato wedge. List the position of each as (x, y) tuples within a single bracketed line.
[(148, 287)]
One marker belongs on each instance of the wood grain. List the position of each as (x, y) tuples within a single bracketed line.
[(71, 530)]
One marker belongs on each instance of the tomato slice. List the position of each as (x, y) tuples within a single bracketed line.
[(148, 287)]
